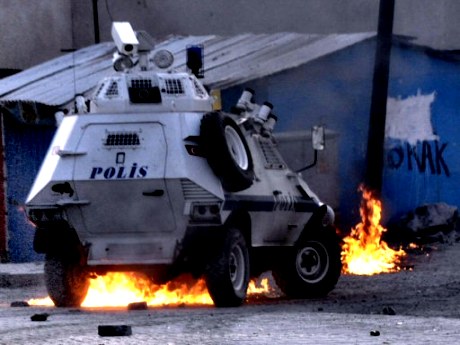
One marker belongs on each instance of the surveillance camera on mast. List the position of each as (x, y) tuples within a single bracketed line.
[(133, 45), (125, 38), (127, 45)]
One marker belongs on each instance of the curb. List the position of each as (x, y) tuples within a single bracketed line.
[(8, 280), (17, 275)]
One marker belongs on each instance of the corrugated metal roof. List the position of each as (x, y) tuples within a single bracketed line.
[(228, 61), (56, 81)]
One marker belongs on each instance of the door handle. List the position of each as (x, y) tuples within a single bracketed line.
[(68, 153), (70, 202), (156, 192)]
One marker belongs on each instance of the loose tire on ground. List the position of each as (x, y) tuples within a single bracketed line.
[(227, 151), (312, 268), (227, 273), (66, 281)]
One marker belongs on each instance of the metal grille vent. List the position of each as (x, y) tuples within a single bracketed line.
[(112, 90), (194, 192), (122, 139), (100, 89), (272, 158), (173, 87), (141, 83)]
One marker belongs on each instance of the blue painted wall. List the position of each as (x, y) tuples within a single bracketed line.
[(426, 171), (25, 148), (336, 90)]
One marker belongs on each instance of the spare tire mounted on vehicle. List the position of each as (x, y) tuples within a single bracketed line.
[(227, 151)]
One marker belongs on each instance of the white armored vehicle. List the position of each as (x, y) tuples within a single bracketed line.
[(146, 176)]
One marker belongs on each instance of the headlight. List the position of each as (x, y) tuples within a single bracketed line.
[(329, 216)]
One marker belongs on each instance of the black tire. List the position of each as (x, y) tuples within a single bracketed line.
[(227, 151), (312, 268), (227, 273), (66, 280)]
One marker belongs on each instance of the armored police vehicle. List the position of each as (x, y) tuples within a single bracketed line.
[(145, 176)]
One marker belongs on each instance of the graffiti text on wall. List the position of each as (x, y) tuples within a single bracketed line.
[(425, 155)]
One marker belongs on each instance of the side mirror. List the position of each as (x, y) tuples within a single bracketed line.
[(318, 137)]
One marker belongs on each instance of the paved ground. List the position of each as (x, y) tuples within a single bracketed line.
[(425, 301), (252, 324)]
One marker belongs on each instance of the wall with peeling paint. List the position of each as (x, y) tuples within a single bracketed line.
[(422, 162)]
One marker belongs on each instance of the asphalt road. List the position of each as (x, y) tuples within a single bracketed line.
[(425, 303)]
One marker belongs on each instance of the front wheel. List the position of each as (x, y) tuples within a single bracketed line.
[(312, 268), (227, 273), (66, 280)]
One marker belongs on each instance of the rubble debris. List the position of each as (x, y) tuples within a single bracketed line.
[(426, 224), (375, 333), (138, 306), (39, 317), (114, 330), (19, 304), (388, 311)]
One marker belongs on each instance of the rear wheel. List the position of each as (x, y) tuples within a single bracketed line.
[(66, 280), (312, 268), (227, 273)]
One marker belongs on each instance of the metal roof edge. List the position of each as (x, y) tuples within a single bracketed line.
[(51, 67), (321, 45)]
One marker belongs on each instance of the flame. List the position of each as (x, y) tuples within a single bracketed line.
[(413, 246), (45, 302), (119, 289), (116, 289), (363, 251), (258, 288)]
